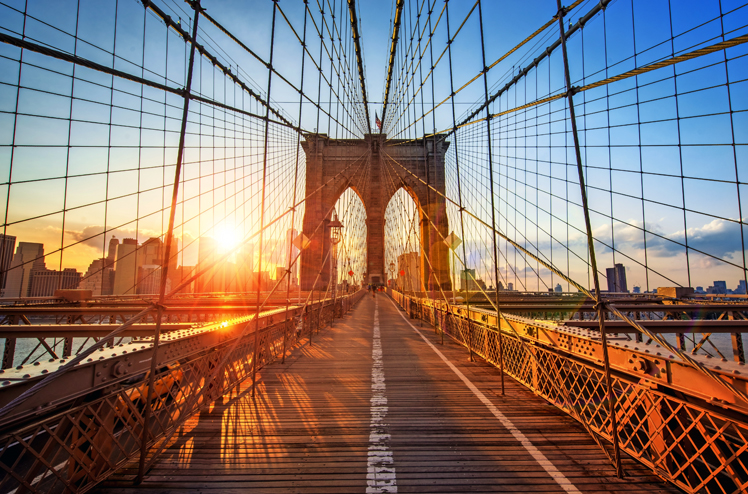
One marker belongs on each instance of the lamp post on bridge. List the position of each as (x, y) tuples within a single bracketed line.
[(392, 270), (453, 241), (336, 228)]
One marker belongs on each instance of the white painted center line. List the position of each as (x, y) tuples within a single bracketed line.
[(544, 462), (381, 473)]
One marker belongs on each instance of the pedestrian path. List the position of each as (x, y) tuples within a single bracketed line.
[(376, 404)]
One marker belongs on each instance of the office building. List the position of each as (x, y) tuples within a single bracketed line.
[(282, 277), (45, 282), (112, 253), (469, 282), (558, 288), (99, 277), (211, 280), (617, 279), (242, 271), (149, 280), (7, 246), (126, 266), (741, 289), (265, 281), (29, 257), (719, 288)]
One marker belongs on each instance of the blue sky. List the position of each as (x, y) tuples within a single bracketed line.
[(690, 163)]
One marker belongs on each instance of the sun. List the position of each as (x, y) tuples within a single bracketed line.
[(226, 238)]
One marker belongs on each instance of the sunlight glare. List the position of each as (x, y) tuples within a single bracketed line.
[(226, 238)]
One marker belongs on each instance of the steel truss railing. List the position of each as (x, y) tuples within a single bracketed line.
[(72, 442), (697, 442)]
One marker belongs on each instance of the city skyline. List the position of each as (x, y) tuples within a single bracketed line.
[(133, 268)]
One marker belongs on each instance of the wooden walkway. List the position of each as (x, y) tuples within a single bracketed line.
[(338, 417)]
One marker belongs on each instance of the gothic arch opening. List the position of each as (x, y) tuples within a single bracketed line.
[(402, 242), (334, 164), (351, 250)]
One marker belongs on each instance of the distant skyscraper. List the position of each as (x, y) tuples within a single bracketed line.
[(468, 281), (637, 289), (7, 246), (245, 264), (558, 288), (149, 280), (741, 289), (211, 280), (510, 287), (29, 257), (99, 277), (112, 253), (617, 278), (265, 282), (126, 266), (719, 288), (45, 282), (183, 274), (280, 276), (150, 259)]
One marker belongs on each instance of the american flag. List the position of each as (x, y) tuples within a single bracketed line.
[(377, 121)]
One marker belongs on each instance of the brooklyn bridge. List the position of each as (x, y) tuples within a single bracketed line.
[(288, 246)]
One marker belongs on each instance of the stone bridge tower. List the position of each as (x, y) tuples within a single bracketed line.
[(367, 167)]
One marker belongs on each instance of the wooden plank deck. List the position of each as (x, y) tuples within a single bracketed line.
[(320, 424)]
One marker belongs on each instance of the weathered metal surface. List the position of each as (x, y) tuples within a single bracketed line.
[(78, 431), (671, 416), (84, 330)]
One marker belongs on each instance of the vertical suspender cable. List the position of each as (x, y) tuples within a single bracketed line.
[(590, 245), (262, 202), (490, 181), (167, 248), (296, 184)]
